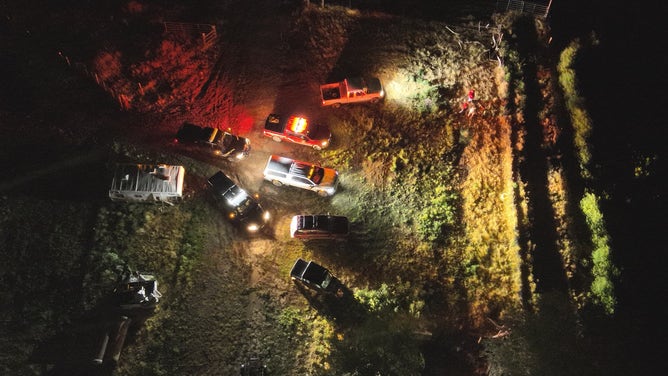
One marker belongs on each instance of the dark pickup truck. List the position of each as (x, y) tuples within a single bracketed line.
[(315, 276), (223, 144), (297, 129), (240, 207)]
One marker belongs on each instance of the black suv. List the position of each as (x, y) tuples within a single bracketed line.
[(316, 277), (224, 144), (253, 367), (319, 226), (240, 206)]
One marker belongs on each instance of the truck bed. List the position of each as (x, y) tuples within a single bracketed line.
[(274, 124), (331, 91)]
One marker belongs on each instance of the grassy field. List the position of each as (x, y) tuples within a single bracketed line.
[(443, 269)]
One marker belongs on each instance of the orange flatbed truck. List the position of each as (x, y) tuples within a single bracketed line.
[(352, 90)]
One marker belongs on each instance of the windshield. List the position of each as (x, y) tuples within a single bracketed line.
[(243, 206), (326, 281)]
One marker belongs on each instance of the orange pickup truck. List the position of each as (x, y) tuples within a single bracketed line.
[(352, 90)]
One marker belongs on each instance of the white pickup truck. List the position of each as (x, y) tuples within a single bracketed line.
[(286, 171), (352, 90)]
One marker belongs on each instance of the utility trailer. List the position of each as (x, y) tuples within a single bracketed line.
[(147, 183)]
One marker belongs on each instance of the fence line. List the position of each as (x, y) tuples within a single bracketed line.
[(206, 32), (124, 99), (538, 10)]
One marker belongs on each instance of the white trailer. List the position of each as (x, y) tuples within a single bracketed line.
[(147, 183)]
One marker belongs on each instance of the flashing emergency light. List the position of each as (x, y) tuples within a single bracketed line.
[(297, 124)]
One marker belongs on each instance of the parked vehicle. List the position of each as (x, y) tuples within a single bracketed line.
[(137, 290), (286, 171), (320, 226), (223, 144), (147, 183), (253, 367), (352, 90), (240, 207), (315, 276), (297, 129)]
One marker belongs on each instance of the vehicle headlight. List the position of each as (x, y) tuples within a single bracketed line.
[(325, 143), (232, 215), (240, 155), (382, 93), (266, 216), (217, 152), (253, 227)]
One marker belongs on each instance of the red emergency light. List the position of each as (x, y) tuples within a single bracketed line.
[(297, 124)]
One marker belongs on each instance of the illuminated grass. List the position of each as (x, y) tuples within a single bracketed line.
[(575, 106), (603, 270)]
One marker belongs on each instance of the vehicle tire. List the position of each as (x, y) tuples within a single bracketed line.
[(322, 194), (317, 147), (276, 183), (276, 138), (336, 105)]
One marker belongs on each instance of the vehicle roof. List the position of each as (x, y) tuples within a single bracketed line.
[(229, 139), (221, 183), (315, 272), (331, 223), (302, 168), (147, 178), (234, 197), (230, 191)]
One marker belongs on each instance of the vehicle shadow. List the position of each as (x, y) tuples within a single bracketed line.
[(92, 344), (340, 307)]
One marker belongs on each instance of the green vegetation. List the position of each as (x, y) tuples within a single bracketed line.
[(602, 268), (575, 105)]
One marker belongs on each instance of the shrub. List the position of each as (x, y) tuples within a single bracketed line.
[(602, 289), (438, 216)]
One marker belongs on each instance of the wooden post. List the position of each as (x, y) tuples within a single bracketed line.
[(547, 11), (119, 339), (103, 348)]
